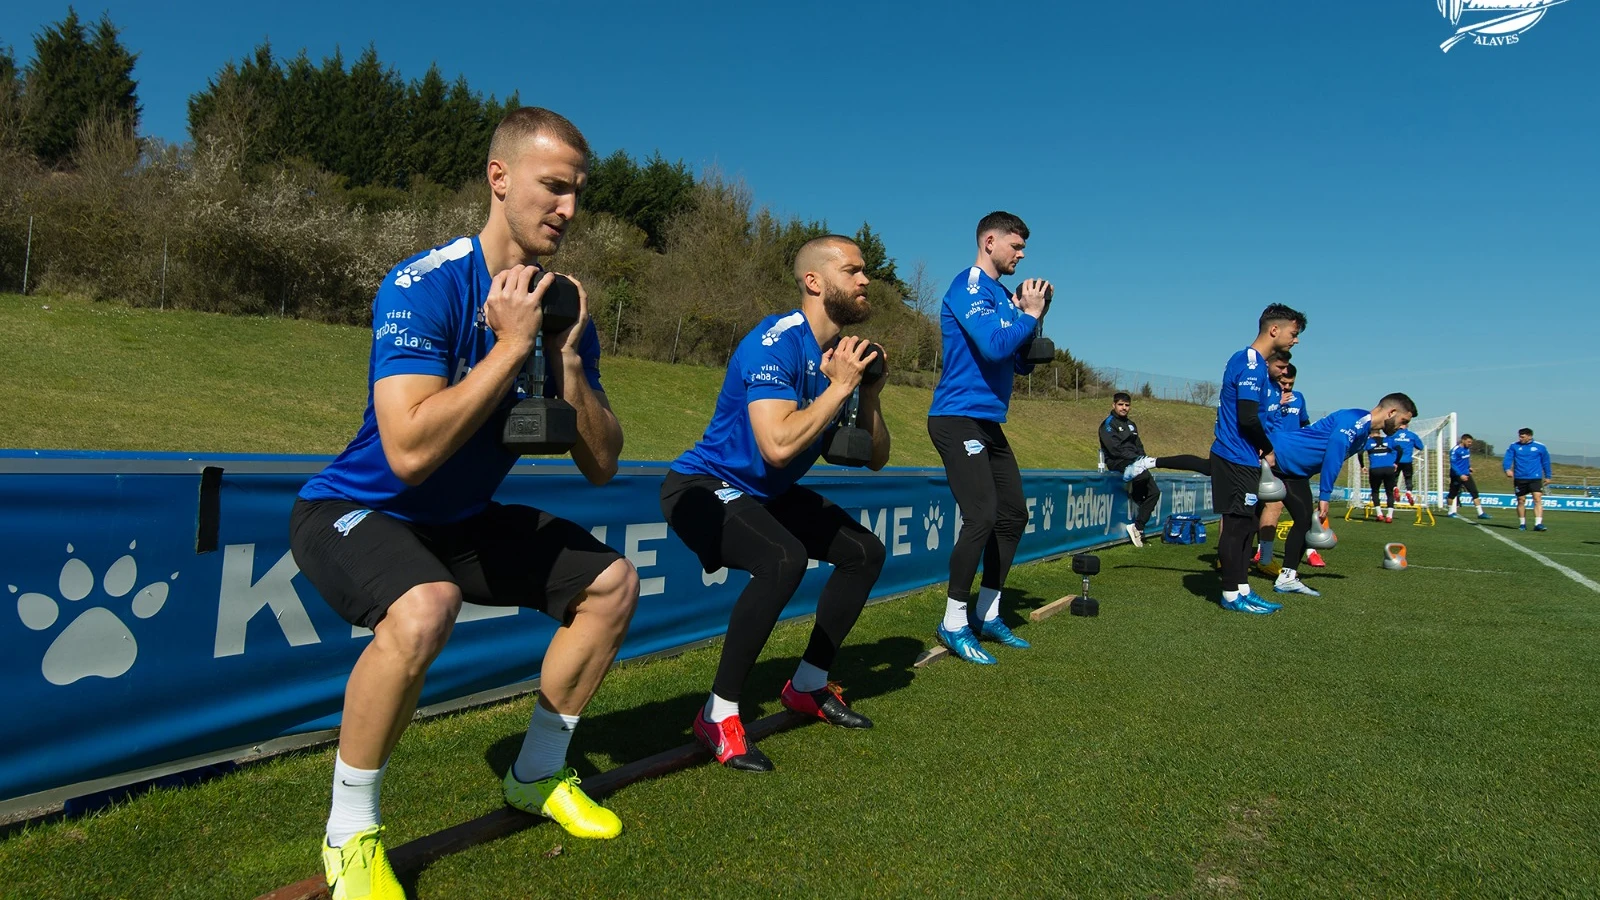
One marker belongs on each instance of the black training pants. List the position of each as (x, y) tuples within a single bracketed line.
[(1145, 494), (1384, 480), (773, 542), (1405, 474), (987, 485), (1301, 509), (1201, 464), (1456, 485)]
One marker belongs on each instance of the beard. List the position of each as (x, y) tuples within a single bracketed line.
[(843, 308), (1390, 426), (529, 234)]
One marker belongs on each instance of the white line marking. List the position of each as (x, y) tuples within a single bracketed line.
[(1568, 553), (1449, 569), (1575, 576)]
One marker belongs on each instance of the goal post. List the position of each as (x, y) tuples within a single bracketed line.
[(1430, 465)]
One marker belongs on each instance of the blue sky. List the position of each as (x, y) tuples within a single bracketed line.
[(1436, 214)]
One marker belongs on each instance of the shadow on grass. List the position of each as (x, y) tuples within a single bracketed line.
[(866, 671)]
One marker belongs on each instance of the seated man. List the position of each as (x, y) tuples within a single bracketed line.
[(401, 528), (1322, 447), (733, 498), (1120, 443)]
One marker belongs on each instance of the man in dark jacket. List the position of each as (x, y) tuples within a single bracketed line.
[(1120, 444)]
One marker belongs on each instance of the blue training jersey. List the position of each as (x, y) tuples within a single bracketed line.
[(984, 334), (779, 360), (1322, 446), (1276, 414), (1527, 461), (1381, 454), (1406, 443), (427, 319), (1461, 461), (1244, 378)]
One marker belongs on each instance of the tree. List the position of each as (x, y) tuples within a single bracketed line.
[(10, 102), (879, 266), (72, 80)]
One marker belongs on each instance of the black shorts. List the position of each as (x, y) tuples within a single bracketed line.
[(696, 508), (1233, 488), (503, 556), (1526, 486)]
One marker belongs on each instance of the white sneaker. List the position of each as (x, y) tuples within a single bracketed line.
[(1140, 466), (1289, 583), (1135, 535)]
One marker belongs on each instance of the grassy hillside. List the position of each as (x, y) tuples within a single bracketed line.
[(97, 376)]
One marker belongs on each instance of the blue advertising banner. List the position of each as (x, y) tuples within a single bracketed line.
[(1494, 501), (130, 643)]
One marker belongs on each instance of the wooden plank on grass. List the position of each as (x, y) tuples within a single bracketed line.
[(422, 852), (1051, 608), (931, 656)]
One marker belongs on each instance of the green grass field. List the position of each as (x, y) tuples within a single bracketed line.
[(106, 377), (1427, 733)]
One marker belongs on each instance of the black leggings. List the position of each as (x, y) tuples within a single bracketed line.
[(1457, 483), (1145, 494), (774, 542), (1301, 509), (1382, 479), (1201, 464), (987, 485), (1405, 473)]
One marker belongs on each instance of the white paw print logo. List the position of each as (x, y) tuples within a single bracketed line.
[(717, 577), (96, 642), (1046, 510), (933, 522), (407, 277)]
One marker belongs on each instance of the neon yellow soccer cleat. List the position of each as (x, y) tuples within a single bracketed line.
[(360, 869), (560, 799)]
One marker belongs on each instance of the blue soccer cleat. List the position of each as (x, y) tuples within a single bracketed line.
[(996, 630), (1255, 599), (1523, 527), (1242, 604), (1483, 515), (1540, 527), (964, 644)]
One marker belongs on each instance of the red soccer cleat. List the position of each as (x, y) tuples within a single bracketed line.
[(727, 743), (1314, 559), (826, 704)]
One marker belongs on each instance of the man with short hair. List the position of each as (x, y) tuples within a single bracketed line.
[(1461, 477), (1407, 445), (1122, 447), (401, 529), (1378, 465), (734, 498), (1240, 447), (986, 330), (1322, 447), (1527, 464)]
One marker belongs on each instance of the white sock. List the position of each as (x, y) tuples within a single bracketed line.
[(544, 750), (1244, 588), (1230, 595), (719, 708), (1479, 506), (955, 614), (1522, 520), (1289, 575), (988, 604), (1538, 520), (355, 800), (808, 678)]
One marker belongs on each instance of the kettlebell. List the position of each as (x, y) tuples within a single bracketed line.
[(1041, 350), (1320, 537), (1270, 488), (1394, 556)]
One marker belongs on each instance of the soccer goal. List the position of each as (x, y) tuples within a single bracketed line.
[(1430, 466)]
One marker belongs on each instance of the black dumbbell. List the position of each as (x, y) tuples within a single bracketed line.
[(1085, 564), (1042, 350), (539, 425), (851, 445)]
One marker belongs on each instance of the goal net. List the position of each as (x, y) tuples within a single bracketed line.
[(1430, 466)]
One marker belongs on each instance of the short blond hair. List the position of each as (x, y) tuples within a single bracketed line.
[(525, 122)]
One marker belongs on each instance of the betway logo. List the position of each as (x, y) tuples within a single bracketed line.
[(1088, 509)]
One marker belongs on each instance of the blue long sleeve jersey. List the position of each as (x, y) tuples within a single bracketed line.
[(1406, 442), (1461, 461), (1380, 453), (1276, 414), (1528, 461), (984, 334), (1322, 446)]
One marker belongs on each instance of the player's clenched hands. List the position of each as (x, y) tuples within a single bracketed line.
[(568, 340), (845, 363), (513, 309), (1030, 294)]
